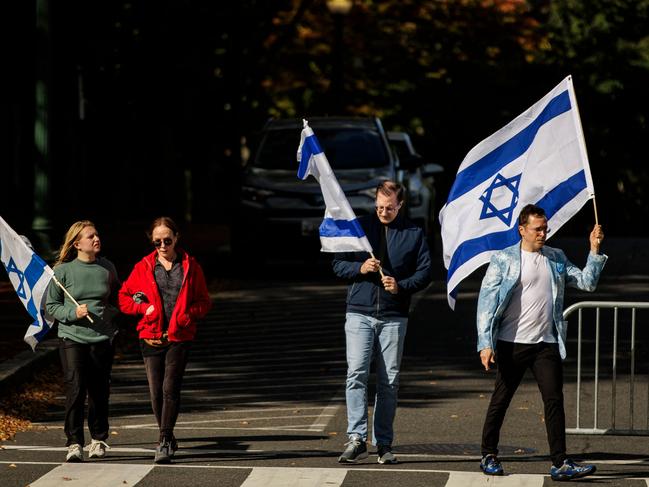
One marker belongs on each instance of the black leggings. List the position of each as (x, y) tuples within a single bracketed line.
[(165, 368), (86, 370), (513, 359)]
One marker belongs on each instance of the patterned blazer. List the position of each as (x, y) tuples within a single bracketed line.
[(504, 272)]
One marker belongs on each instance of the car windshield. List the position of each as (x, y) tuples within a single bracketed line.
[(344, 148)]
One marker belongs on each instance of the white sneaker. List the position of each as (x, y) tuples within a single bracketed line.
[(97, 449), (75, 453)]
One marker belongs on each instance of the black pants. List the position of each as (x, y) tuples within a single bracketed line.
[(86, 370), (165, 368), (544, 360)]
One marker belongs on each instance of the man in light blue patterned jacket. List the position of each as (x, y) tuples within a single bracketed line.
[(520, 326)]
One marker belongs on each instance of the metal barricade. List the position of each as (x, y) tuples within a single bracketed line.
[(615, 305)]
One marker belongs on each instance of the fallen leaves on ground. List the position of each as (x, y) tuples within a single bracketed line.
[(28, 402)]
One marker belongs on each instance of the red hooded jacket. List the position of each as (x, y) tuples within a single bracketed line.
[(193, 300)]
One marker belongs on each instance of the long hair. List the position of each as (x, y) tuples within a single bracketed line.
[(67, 251)]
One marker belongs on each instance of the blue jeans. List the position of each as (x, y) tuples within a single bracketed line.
[(367, 336)]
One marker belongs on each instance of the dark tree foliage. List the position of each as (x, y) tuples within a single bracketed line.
[(453, 72), (174, 90)]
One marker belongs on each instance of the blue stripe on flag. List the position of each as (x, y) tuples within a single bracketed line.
[(33, 273), (311, 147), (498, 158), (551, 203), (41, 321), (341, 228), (34, 270)]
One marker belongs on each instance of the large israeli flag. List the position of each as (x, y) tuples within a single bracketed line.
[(540, 157), (30, 276), (340, 230)]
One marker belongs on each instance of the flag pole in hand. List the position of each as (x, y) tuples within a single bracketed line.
[(70, 296), (380, 268), (596, 218)]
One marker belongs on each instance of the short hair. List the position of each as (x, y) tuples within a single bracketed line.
[(529, 210), (388, 188)]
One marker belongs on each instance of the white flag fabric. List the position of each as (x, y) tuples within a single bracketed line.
[(30, 276), (340, 230), (540, 158)]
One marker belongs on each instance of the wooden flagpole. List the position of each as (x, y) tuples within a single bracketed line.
[(596, 218), (380, 268), (69, 296)]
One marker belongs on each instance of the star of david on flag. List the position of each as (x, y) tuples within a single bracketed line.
[(540, 158), (490, 207), (30, 276)]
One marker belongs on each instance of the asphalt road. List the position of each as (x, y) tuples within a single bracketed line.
[(263, 402)]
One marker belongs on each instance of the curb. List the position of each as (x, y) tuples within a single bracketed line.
[(22, 367)]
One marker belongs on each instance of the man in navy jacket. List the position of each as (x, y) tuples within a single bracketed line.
[(378, 300)]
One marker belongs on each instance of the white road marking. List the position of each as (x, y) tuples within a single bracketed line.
[(306, 453), (467, 479), (95, 474), (509, 480), (294, 477), (224, 410), (229, 420), (298, 427), (115, 449)]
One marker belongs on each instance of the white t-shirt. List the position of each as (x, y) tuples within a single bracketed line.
[(528, 317)]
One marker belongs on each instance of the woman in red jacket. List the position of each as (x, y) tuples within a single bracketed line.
[(167, 291)]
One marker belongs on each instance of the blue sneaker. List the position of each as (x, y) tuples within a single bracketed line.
[(571, 470), (490, 465)]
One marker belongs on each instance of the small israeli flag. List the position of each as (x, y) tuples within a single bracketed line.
[(340, 230), (30, 276), (540, 158)]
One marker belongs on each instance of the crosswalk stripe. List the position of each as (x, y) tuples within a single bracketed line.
[(468, 479), (118, 474), (294, 477), (95, 474)]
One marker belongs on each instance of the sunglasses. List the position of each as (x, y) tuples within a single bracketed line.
[(158, 242)]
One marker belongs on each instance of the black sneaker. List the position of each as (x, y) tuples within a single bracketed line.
[(356, 450), (385, 454), (163, 452)]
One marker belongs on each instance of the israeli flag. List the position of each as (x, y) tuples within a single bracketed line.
[(540, 158), (340, 230), (30, 276)]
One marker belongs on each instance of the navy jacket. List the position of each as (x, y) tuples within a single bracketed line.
[(409, 263)]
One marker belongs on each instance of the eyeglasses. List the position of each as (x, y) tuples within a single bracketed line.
[(387, 209), (158, 242), (540, 230)]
